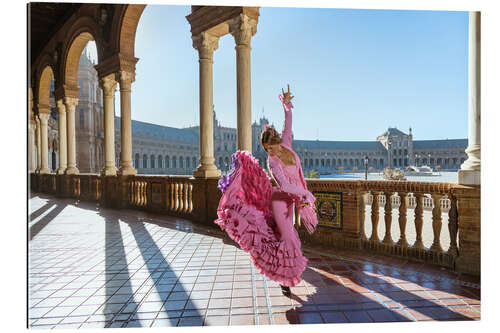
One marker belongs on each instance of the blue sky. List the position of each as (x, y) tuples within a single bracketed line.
[(354, 72)]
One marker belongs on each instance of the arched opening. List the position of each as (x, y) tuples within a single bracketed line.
[(136, 161)]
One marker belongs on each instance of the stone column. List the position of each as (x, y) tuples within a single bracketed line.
[(243, 28), (126, 167), (206, 44), (470, 173), (31, 145), (108, 86), (31, 133), (71, 103), (63, 159), (43, 116), (38, 145)]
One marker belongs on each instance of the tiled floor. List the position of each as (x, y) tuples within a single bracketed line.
[(97, 267)]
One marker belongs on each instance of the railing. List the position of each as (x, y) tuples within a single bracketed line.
[(424, 206), (420, 221), (168, 194)]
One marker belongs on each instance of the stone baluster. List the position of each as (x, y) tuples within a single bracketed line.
[(453, 226), (362, 209), (419, 210), (375, 216), (388, 218), (437, 223), (402, 219)]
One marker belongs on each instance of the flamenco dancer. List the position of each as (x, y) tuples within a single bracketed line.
[(258, 216)]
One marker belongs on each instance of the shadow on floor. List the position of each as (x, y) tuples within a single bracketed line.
[(350, 293)]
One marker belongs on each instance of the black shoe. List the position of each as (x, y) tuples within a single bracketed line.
[(286, 290)]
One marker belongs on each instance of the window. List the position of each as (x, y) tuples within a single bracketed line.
[(82, 119), (187, 163), (194, 162), (160, 162), (167, 162), (174, 162), (181, 162), (152, 159), (136, 161), (145, 161)]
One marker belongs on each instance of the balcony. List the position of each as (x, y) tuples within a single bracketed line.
[(166, 223)]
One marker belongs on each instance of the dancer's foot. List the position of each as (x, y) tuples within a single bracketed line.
[(286, 290)]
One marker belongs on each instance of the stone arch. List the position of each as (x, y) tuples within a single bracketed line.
[(72, 59), (43, 91), (125, 27)]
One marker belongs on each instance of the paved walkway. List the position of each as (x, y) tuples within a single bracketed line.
[(98, 267)]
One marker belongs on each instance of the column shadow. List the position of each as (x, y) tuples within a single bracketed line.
[(44, 221), (166, 283), (347, 295), (119, 295), (40, 211)]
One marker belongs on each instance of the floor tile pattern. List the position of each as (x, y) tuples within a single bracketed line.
[(96, 267)]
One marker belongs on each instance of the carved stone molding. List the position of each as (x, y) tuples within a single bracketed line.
[(108, 85), (126, 79), (242, 28), (206, 44), (71, 103), (61, 107)]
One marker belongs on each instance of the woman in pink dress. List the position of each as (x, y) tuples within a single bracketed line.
[(259, 217)]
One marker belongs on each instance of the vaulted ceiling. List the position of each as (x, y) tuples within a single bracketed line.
[(44, 19)]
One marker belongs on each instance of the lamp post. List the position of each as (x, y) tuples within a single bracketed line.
[(366, 167)]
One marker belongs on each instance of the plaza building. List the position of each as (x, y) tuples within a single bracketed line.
[(89, 127)]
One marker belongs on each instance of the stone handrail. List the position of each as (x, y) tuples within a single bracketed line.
[(418, 197), (411, 210)]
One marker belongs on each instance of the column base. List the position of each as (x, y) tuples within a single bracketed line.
[(109, 171), (45, 170), (127, 171), (201, 172), (72, 171), (469, 177), (61, 171)]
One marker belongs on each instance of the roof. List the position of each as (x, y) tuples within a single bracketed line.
[(159, 131), (344, 145), (440, 144), (393, 131)]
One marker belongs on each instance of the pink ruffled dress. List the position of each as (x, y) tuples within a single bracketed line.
[(260, 218)]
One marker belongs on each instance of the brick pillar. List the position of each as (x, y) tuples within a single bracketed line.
[(469, 229)]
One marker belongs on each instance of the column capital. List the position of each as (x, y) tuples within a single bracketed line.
[(108, 84), (126, 78), (71, 103), (44, 117), (61, 107), (242, 28), (206, 44)]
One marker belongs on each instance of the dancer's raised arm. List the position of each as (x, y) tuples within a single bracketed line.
[(286, 135)]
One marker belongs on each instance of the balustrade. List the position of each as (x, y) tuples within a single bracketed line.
[(420, 209)]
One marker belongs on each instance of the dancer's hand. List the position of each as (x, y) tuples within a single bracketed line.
[(287, 96)]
